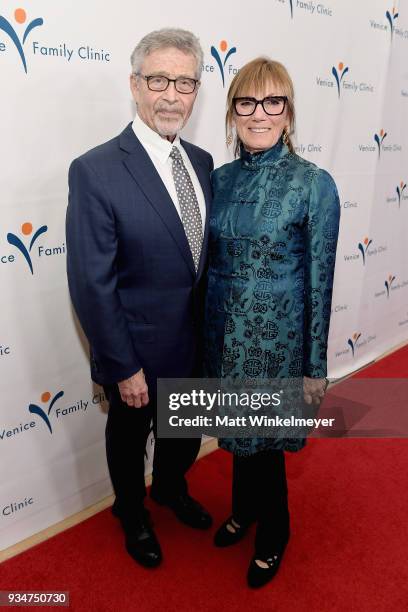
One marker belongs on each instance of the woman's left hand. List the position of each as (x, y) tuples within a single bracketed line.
[(314, 389)]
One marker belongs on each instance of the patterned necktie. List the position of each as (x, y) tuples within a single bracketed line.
[(190, 211)]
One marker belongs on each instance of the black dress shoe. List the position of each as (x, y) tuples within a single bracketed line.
[(188, 510), (226, 537), (141, 542), (259, 576)]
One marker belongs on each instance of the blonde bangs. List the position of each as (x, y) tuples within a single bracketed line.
[(258, 75)]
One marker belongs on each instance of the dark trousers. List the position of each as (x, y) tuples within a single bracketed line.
[(260, 493), (127, 430)]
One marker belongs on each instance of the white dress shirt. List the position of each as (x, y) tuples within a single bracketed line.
[(158, 149)]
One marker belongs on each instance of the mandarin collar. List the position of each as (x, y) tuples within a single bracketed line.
[(253, 161)]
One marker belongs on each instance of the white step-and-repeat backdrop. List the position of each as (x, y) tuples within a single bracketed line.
[(64, 70)]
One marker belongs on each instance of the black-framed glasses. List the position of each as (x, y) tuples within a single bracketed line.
[(272, 105), (158, 82)]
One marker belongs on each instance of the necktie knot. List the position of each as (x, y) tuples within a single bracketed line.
[(175, 154)]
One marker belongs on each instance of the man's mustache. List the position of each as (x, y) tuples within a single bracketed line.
[(169, 109)]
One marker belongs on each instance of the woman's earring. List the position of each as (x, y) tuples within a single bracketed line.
[(229, 139), (285, 138)]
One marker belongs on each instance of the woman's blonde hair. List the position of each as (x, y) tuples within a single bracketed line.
[(256, 76)]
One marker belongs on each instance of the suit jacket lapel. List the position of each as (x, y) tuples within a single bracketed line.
[(145, 174)]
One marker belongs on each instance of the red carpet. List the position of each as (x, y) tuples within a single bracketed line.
[(393, 366), (348, 550)]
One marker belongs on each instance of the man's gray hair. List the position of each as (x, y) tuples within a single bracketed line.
[(167, 37)]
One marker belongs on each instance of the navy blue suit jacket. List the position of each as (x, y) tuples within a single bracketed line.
[(130, 271)]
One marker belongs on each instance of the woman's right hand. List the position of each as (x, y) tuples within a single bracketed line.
[(314, 389)]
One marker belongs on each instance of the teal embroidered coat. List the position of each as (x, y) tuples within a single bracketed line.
[(272, 246)]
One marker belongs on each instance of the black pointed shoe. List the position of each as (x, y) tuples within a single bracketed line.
[(188, 510), (259, 576), (228, 534), (142, 543)]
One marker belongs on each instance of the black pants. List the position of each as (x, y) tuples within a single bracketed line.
[(260, 493), (127, 430)]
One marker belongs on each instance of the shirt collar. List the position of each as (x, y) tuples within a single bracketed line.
[(152, 141)]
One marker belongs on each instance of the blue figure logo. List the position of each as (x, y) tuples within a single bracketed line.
[(44, 414), (352, 342), (216, 56), (27, 230), (391, 18), (388, 284), (379, 140), (400, 190), (338, 75), (364, 248), (21, 17)]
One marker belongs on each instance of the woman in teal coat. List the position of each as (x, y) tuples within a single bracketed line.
[(273, 237)]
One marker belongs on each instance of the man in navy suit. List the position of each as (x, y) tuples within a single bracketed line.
[(137, 229)]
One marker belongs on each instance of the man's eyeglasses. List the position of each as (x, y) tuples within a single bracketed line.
[(158, 82), (272, 105)]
